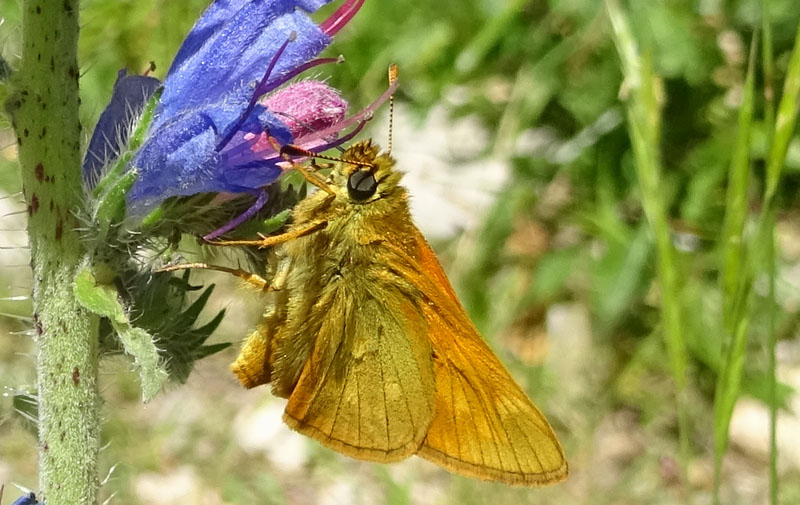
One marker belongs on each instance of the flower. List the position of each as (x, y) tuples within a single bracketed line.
[(221, 114)]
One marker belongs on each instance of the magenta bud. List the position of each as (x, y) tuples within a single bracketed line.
[(307, 107)]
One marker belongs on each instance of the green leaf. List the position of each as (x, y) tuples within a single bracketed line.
[(26, 406), (139, 344), (275, 222), (103, 300)]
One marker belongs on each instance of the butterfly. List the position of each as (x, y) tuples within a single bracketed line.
[(366, 338)]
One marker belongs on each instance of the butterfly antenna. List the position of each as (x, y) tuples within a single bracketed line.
[(293, 150), (309, 128), (392, 81)]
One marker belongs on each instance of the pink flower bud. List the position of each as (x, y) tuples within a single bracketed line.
[(307, 107)]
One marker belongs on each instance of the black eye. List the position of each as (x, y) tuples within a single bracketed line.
[(361, 185)]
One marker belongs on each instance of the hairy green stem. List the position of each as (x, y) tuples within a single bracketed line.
[(44, 110)]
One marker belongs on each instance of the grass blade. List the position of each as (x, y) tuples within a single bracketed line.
[(767, 61), (785, 124), (643, 109), (733, 282)]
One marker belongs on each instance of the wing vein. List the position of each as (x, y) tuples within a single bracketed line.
[(339, 405), (531, 444), (358, 407), (477, 435), (346, 378), (405, 398), (385, 408), (512, 419), (455, 419), (489, 421)]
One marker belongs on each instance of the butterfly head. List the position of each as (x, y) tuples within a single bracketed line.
[(365, 174)]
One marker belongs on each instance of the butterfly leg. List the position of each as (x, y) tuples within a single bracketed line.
[(275, 239), (249, 277)]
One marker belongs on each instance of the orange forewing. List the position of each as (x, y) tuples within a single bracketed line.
[(484, 424)]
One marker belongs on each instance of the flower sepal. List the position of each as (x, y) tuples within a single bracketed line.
[(111, 191)]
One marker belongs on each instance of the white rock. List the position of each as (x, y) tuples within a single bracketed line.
[(261, 430), (749, 431), (179, 486)]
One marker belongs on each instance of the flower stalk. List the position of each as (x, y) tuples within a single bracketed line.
[(44, 110)]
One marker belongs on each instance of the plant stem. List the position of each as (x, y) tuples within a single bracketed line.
[(44, 110), (769, 122), (643, 110)]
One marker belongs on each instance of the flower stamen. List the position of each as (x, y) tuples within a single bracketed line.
[(256, 95), (233, 223), (365, 115), (295, 72)]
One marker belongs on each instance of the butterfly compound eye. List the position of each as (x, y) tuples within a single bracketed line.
[(361, 185)]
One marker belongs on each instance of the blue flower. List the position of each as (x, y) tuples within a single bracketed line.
[(28, 499), (220, 117)]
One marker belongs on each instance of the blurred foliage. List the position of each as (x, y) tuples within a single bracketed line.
[(544, 76)]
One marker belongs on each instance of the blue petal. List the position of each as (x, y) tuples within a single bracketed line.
[(220, 12), (28, 499), (131, 93), (179, 159), (226, 55), (244, 178)]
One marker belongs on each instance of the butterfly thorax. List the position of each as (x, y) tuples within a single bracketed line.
[(353, 224)]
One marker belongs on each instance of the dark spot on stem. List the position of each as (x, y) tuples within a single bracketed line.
[(25, 132), (38, 323), (76, 376), (52, 64), (51, 201), (44, 132), (33, 208), (39, 172), (46, 447), (59, 229), (62, 436), (38, 10)]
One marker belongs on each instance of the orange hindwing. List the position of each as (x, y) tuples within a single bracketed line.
[(484, 425)]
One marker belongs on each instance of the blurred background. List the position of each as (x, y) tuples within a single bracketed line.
[(513, 135)]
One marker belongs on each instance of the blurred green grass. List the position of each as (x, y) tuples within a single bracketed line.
[(569, 237)]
